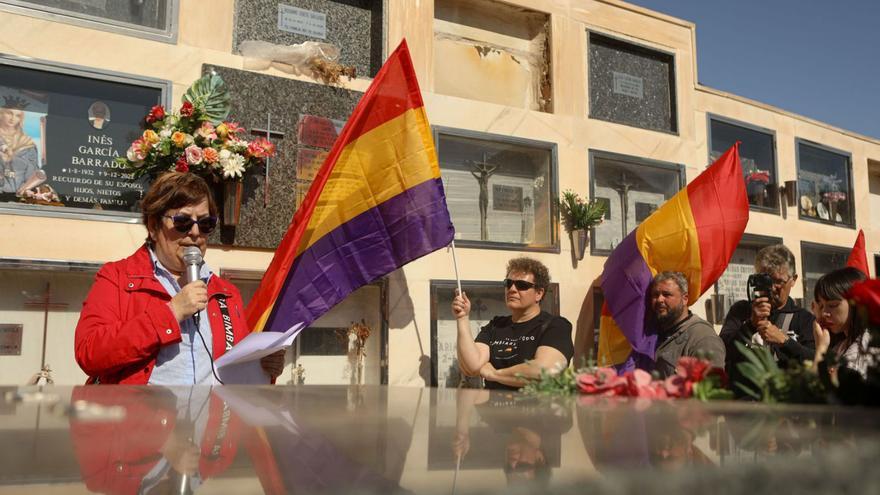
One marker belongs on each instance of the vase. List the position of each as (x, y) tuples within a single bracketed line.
[(579, 238), (232, 193), (756, 191)]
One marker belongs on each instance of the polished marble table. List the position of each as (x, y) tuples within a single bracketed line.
[(372, 439)]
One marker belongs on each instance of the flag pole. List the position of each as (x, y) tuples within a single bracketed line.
[(455, 265)]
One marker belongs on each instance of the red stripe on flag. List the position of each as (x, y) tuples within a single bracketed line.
[(720, 208)]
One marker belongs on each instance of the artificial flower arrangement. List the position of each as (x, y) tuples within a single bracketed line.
[(834, 196), (197, 138), (579, 214), (759, 176)]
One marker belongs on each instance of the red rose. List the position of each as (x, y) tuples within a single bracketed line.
[(156, 113), (186, 110), (691, 368), (867, 294), (182, 166)]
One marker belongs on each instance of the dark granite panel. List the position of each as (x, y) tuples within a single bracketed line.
[(254, 96), (147, 13), (355, 26), (632, 85)]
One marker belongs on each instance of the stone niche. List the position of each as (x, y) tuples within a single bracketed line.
[(491, 51), (356, 27), (305, 120), (631, 84)]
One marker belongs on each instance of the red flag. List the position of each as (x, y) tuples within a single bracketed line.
[(858, 257)]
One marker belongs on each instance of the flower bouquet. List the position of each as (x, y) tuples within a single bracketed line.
[(579, 214), (758, 176), (834, 196), (197, 138)]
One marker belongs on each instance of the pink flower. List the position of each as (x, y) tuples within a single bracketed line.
[(156, 113), (211, 155), (233, 128), (194, 155), (181, 165), (260, 148), (138, 150), (186, 110), (604, 381), (207, 131)]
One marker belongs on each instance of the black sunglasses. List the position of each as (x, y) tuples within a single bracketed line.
[(520, 284), (183, 223)]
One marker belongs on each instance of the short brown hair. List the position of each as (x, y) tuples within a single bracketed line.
[(175, 190), (533, 266)]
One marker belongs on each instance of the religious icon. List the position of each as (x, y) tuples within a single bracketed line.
[(482, 171)]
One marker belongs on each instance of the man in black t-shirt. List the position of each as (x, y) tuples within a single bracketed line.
[(511, 350)]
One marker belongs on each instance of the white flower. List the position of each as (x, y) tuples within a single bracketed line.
[(224, 155), (165, 133), (233, 167)]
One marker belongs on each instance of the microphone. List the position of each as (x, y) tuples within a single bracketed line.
[(192, 258)]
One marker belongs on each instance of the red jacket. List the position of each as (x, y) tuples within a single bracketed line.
[(126, 319)]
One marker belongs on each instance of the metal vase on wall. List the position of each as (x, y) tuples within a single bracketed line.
[(232, 193), (579, 238)]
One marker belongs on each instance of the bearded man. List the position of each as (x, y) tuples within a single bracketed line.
[(681, 333)]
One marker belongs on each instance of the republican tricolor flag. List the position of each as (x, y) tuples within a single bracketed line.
[(695, 233), (376, 204)]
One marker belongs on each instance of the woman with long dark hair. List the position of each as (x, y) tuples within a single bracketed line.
[(838, 329)]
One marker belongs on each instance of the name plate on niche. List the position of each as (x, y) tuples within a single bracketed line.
[(301, 21), (507, 198), (10, 340), (625, 84)]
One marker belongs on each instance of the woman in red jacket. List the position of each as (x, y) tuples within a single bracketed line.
[(142, 322)]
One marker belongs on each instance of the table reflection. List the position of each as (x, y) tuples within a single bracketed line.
[(371, 439)]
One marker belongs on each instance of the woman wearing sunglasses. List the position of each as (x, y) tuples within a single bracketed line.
[(142, 323), (511, 350)]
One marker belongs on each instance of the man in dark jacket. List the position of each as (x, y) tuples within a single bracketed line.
[(772, 321), (681, 333)]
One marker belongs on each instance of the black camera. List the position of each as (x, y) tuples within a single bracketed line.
[(759, 285)]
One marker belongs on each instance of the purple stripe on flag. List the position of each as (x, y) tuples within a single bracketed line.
[(367, 247), (625, 283)]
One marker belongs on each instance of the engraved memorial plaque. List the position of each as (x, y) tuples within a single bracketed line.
[(301, 21), (507, 198), (10, 339), (625, 84)]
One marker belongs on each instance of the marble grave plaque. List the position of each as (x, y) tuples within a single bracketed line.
[(356, 27), (305, 119)]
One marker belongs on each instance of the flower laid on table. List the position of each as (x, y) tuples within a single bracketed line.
[(196, 138), (579, 214), (694, 377), (834, 196)]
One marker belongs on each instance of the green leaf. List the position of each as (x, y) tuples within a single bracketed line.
[(210, 98)]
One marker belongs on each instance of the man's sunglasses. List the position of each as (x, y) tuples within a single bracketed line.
[(183, 223), (520, 284)]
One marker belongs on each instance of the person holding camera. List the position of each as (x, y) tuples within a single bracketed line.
[(769, 317)]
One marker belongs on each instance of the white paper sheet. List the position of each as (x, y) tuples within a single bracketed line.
[(241, 364)]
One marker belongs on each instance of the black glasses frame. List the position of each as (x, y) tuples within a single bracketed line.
[(522, 285), (184, 223)]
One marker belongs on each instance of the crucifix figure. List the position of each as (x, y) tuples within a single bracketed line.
[(622, 187), (482, 171), (44, 302)]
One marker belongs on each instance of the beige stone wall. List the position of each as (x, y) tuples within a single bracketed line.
[(205, 37)]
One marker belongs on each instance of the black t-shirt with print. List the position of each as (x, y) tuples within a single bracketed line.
[(511, 343)]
